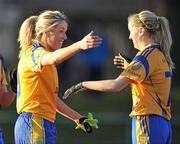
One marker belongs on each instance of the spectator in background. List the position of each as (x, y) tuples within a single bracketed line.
[(6, 96), (149, 74)]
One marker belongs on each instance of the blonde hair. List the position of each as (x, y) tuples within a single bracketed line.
[(34, 26), (158, 28)]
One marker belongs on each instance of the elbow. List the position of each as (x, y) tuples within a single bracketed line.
[(117, 85), (117, 89), (56, 60), (114, 87)]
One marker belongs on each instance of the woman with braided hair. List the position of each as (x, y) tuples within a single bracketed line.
[(149, 74)]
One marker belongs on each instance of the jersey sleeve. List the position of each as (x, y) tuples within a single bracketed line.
[(140, 68), (36, 56), (136, 71)]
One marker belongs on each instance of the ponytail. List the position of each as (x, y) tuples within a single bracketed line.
[(166, 40), (27, 33), (159, 31)]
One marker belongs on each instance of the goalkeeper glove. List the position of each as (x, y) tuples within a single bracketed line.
[(87, 123), (13, 79), (74, 90)]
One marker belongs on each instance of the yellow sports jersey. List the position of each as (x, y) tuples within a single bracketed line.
[(37, 86), (2, 74), (151, 87)]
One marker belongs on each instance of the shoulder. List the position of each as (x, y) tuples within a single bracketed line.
[(151, 53)]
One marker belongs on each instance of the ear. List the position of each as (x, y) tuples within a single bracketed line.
[(141, 31)]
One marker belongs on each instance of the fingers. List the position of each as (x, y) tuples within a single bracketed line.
[(67, 94), (87, 123), (121, 61), (118, 60), (87, 127), (73, 90), (91, 40)]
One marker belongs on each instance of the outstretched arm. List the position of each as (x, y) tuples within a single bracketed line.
[(121, 61), (113, 85), (58, 56), (103, 85)]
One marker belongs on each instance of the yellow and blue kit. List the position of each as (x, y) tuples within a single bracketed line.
[(37, 89), (151, 95)]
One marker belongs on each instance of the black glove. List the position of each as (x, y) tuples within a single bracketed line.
[(13, 79), (74, 90), (84, 125), (87, 123)]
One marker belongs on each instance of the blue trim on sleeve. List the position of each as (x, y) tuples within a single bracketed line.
[(36, 46), (144, 61), (168, 74)]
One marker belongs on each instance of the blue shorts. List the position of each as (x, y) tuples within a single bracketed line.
[(32, 129), (1, 137), (151, 129)]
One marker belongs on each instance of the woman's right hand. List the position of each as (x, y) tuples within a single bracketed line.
[(121, 61), (91, 40)]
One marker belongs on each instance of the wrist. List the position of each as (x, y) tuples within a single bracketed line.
[(79, 45), (81, 120)]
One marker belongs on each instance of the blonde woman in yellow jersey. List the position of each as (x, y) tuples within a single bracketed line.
[(6, 96), (149, 75), (41, 38)]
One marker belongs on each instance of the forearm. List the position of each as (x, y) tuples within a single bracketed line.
[(7, 98), (107, 85), (66, 111), (60, 55)]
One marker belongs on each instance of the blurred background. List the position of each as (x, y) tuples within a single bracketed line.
[(109, 20)]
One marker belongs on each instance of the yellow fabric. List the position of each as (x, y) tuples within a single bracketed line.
[(38, 86), (38, 132), (150, 93), (142, 127)]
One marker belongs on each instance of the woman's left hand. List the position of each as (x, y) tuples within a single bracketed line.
[(91, 40)]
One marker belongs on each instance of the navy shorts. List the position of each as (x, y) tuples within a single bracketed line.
[(32, 129)]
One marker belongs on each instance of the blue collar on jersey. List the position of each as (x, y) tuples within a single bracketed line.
[(36, 44), (155, 46), (143, 60)]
